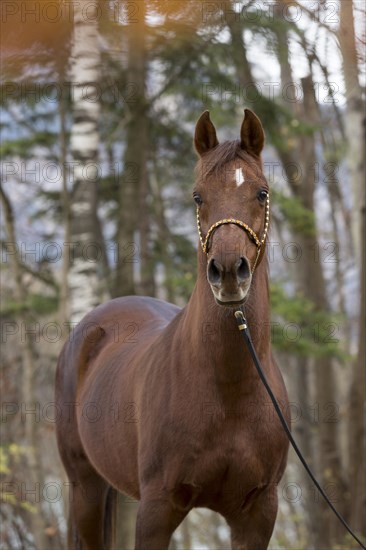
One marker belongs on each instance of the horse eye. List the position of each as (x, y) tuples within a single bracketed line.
[(262, 195), (197, 199)]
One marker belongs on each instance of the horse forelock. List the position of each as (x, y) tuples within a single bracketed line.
[(215, 160)]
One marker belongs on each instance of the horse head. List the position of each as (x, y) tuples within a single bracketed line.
[(232, 199)]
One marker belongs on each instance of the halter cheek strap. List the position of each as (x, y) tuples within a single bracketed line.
[(259, 242)]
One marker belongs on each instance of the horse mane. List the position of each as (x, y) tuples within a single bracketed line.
[(215, 159)]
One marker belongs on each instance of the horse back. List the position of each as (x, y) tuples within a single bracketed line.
[(116, 324)]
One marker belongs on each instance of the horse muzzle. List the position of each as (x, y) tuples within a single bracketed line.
[(229, 283)]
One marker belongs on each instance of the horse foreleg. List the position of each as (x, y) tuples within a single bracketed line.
[(157, 520), (252, 527)]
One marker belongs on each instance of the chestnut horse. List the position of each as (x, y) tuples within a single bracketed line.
[(164, 404)]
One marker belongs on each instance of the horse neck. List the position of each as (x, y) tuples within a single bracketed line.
[(211, 330)]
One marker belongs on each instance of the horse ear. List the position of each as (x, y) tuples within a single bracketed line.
[(251, 133), (205, 134)]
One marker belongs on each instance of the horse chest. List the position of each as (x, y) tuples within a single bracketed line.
[(244, 444), (231, 456)]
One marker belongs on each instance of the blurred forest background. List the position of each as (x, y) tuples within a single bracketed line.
[(98, 105)]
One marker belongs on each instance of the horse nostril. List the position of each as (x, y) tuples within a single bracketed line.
[(243, 270), (214, 272)]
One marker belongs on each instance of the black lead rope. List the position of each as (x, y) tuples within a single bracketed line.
[(243, 327)]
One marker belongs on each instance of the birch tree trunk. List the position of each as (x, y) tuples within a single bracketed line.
[(85, 71), (85, 289)]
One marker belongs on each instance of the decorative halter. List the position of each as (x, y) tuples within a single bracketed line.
[(259, 242)]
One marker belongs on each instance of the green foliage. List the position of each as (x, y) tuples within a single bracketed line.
[(300, 328), (41, 304), (4, 461), (22, 147), (36, 304), (300, 219), (181, 267), (11, 457)]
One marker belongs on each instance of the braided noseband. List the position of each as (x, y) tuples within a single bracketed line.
[(258, 242)]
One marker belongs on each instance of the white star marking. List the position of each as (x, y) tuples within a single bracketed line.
[(239, 176)]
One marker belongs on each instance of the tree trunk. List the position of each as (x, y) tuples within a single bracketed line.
[(312, 284), (357, 412), (164, 237), (66, 208), (27, 394), (355, 120), (83, 273), (355, 131), (133, 223)]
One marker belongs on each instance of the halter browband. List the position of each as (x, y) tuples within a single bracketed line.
[(258, 242)]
